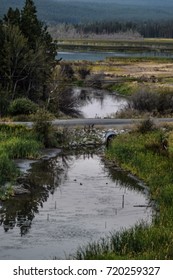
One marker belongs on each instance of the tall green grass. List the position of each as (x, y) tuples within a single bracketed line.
[(16, 141)]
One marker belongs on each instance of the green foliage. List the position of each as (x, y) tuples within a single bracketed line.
[(8, 170), (15, 142), (145, 126), (44, 129), (27, 54), (6, 191), (18, 147), (126, 88), (138, 242), (146, 100), (22, 106), (4, 102)]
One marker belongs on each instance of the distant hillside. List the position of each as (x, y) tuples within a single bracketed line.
[(76, 11)]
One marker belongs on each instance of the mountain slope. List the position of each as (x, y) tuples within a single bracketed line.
[(53, 11)]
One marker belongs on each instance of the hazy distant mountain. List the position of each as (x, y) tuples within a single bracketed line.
[(54, 11)]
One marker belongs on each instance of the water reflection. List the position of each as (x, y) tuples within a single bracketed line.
[(96, 56), (95, 103), (44, 178), (74, 198)]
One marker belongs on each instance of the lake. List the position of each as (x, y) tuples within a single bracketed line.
[(97, 56)]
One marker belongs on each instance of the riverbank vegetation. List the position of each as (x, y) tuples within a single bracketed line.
[(16, 141), (147, 154)]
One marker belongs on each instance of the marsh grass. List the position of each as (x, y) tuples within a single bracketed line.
[(16, 141), (138, 242), (141, 155)]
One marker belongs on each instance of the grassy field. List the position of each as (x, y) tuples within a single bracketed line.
[(144, 44)]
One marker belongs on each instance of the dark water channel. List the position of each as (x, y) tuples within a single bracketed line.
[(75, 199)]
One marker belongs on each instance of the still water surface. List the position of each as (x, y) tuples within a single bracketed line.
[(96, 56), (75, 199), (95, 103)]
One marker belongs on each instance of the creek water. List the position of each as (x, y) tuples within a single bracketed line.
[(95, 103), (75, 199)]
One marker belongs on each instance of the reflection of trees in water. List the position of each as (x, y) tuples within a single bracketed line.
[(121, 177), (43, 179), (88, 96), (85, 152), (69, 103)]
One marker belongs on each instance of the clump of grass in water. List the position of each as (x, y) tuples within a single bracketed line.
[(15, 142)]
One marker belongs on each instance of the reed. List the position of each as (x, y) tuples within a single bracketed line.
[(15, 142)]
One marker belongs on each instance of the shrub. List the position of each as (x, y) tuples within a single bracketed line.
[(67, 71), (83, 72), (44, 129), (146, 126), (144, 100), (94, 81), (22, 106)]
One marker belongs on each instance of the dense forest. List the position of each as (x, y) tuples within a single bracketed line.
[(149, 18), (148, 29), (82, 11), (27, 55)]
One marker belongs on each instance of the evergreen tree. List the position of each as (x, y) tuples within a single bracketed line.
[(30, 25), (27, 54), (12, 17)]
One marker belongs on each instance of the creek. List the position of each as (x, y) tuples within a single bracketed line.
[(75, 198)]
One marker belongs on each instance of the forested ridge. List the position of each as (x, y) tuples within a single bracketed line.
[(82, 11)]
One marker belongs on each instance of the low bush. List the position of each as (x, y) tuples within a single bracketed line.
[(83, 72), (22, 106), (145, 126), (153, 102), (43, 128)]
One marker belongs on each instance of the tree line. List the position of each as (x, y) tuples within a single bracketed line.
[(148, 29)]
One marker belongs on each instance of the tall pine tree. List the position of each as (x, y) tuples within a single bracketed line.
[(27, 54)]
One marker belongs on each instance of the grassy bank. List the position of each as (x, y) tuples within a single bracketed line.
[(149, 156), (116, 45), (16, 141)]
